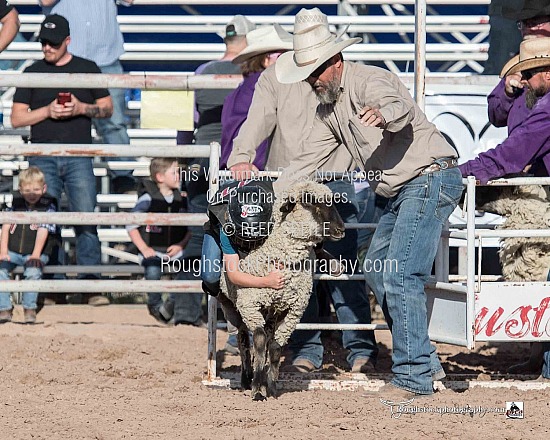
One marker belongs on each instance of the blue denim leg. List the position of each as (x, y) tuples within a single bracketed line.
[(367, 213), (408, 235), (154, 299), (5, 297), (188, 306), (211, 262), (113, 130), (78, 175), (32, 273), (348, 297)]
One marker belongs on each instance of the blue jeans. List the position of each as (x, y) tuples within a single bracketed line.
[(188, 306), (349, 298), (211, 261), (30, 273), (153, 272), (408, 234), (113, 130), (76, 176), (369, 212)]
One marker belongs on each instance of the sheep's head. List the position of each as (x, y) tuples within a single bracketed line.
[(308, 211)]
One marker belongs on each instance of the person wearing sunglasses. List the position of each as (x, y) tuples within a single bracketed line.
[(527, 146), (284, 114), (506, 103), (64, 116)]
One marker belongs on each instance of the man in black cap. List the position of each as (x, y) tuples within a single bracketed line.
[(64, 116)]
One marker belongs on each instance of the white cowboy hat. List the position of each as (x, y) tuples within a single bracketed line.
[(263, 40), (313, 45), (533, 53)]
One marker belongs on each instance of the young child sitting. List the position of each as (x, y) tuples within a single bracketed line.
[(159, 244), (26, 245)]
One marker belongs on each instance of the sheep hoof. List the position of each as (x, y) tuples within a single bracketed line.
[(258, 396)]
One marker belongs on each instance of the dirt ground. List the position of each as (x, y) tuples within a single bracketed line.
[(114, 373)]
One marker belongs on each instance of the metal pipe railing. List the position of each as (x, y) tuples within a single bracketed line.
[(103, 150)]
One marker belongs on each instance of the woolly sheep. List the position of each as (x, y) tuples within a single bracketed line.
[(302, 219), (524, 207)]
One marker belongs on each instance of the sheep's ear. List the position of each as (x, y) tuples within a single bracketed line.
[(286, 208)]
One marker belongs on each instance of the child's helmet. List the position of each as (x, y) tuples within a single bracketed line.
[(249, 217)]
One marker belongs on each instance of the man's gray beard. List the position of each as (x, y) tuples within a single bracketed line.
[(331, 93), (533, 95)]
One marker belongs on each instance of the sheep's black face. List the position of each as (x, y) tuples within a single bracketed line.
[(326, 215)]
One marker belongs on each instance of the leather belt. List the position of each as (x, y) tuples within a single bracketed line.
[(440, 164)]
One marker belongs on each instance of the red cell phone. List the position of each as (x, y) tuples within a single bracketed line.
[(63, 98)]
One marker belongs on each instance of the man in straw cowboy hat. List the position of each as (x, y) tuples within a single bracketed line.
[(527, 145), (507, 101), (284, 114), (507, 107), (370, 113)]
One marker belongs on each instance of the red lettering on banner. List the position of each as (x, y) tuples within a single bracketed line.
[(491, 330), (515, 327), (538, 317), (512, 323)]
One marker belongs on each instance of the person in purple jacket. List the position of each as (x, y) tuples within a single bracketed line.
[(506, 103), (264, 45), (528, 145)]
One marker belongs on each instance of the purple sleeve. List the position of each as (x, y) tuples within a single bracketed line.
[(499, 105), (234, 113), (527, 143)]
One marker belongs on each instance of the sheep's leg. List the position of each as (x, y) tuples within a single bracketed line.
[(274, 352), (259, 382), (243, 341), (273, 372)]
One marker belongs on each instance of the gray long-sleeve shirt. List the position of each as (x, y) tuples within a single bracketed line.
[(285, 113), (397, 153)]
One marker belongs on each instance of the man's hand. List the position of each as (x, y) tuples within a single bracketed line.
[(243, 170), (512, 83), (4, 257), (35, 263), (371, 117), (59, 111), (173, 250), (148, 252)]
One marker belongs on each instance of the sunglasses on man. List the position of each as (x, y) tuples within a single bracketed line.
[(528, 74), (49, 43)]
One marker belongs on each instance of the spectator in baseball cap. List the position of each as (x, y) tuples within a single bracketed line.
[(54, 29), (239, 26)]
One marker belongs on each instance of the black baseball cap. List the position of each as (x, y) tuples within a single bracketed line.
[(54, 28)]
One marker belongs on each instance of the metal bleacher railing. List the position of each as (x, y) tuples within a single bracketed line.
[(459, 40)]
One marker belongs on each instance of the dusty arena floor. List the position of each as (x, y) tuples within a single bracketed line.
[(113, 373)]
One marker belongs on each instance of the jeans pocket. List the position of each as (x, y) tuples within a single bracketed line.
[(449, 196)]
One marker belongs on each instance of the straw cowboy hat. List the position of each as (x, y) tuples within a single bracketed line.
[(533, 53), (263, 40), (313, 45)]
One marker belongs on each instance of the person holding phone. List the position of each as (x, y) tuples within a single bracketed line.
[(65, 117), (96, 36)]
